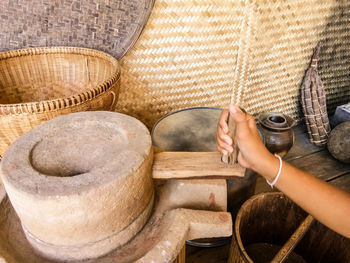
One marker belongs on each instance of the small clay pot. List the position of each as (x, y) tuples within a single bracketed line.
[(276, 132)]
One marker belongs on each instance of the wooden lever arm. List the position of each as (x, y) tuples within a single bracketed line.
[(167, 165)]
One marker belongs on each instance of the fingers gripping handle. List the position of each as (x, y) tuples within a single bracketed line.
[(232, 157)]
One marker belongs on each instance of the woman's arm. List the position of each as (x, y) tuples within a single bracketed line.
[(328, 204)]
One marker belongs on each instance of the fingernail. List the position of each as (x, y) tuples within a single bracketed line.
[(233, 109), (224, 152)]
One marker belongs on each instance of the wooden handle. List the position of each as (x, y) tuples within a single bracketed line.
[(167, 165), (293, 240)]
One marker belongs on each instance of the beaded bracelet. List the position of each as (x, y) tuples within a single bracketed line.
[(278, 174)]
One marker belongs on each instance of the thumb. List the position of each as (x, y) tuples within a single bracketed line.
[(237, 114), (240, 118)]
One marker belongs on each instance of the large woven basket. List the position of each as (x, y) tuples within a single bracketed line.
[(39, 84)]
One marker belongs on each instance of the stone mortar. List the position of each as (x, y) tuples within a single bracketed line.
[(81, 183)]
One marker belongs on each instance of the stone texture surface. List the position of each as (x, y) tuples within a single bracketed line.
[(339, 142), (159, 241), (82, 178)]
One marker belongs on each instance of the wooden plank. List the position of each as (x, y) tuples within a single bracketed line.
[(322, 165), (207, 255), (302, 145), (300, 128), (342, 182), (181, 257), (168, 165)]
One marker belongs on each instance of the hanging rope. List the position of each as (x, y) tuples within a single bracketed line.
[(242, 58)]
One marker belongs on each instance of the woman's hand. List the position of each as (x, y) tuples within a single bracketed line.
[(252, 151)]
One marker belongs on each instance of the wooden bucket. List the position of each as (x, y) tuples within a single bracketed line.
[(266, 221), (38, 84)]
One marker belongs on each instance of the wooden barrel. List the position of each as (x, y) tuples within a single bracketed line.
[(81, 183), (266, 221)]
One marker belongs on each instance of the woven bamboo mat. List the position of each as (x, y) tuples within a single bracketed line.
[(191, 53), (185, 57), (112, 26), (187, 54), (285, 37)]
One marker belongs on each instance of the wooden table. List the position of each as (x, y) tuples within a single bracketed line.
[(303, 155)]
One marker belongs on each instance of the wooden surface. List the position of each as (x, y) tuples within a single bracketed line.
[(181, 257), (168, 165), (303, 155)]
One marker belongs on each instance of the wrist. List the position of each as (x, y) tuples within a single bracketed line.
[(268, 166)]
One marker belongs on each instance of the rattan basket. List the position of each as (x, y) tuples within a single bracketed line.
[(39, 84)]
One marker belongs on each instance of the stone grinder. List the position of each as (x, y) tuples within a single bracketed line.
[(81, 185)]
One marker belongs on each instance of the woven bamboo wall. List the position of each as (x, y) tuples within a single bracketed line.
[(284, 40), (188, 52), (107, 25), (186, 56)]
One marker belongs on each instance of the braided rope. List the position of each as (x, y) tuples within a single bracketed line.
[(242, 54)]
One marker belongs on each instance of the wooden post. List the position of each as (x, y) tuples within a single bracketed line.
[(181, 257)]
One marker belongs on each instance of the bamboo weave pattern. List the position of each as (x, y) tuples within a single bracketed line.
[(187, 53), (186, 56), (39, 84), (112, 26), (313, 100)]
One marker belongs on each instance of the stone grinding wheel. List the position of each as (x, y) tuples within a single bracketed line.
[(81, 183)]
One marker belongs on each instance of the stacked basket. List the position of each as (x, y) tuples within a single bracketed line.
[(39, 84)]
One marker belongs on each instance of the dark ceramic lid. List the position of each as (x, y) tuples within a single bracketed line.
[(276, 121)]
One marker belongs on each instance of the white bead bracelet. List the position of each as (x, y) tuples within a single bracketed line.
[(278, 174)]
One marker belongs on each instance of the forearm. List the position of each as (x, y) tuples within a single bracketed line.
[(328, 204)]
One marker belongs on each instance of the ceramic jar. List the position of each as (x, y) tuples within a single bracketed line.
[(276, 131)]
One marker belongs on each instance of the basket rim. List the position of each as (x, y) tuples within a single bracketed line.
[(65, 102)]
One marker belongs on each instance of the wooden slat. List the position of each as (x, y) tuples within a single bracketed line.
[(288, 247), (207, 255), (181, 257), (322, 165), (168, 165), (302, 145)]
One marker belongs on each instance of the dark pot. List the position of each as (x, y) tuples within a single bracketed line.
[(276, 131)]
